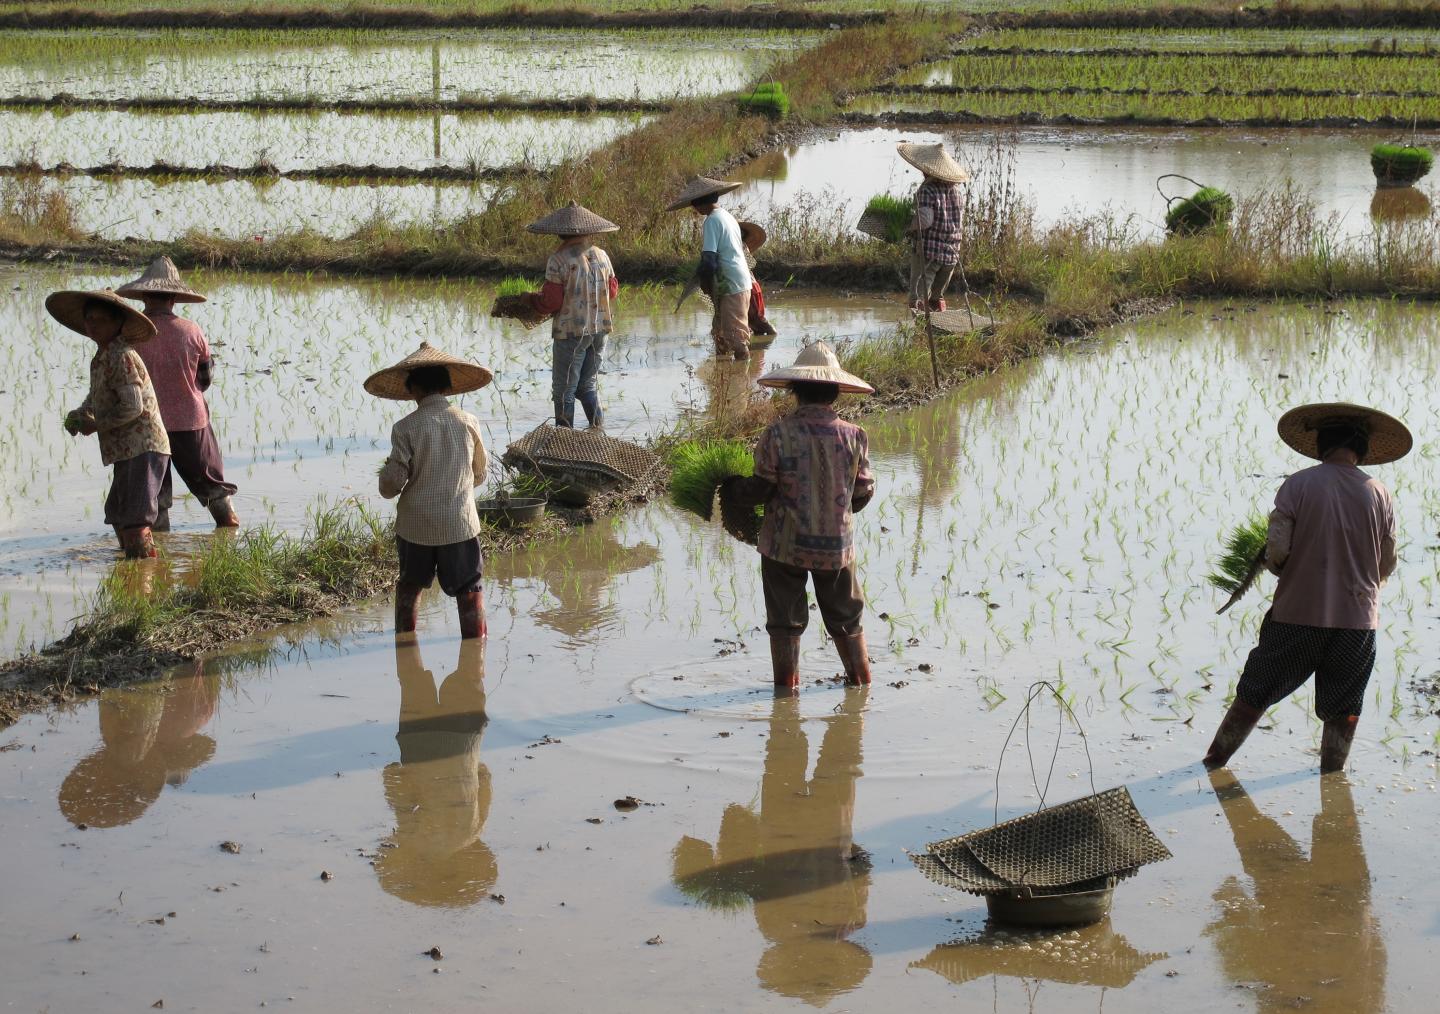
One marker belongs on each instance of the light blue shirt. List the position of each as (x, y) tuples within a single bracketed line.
[(722, 237)]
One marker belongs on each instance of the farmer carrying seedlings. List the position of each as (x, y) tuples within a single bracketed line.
[(179, 363), (1331, 541), (812, 472), (724, 272), (437, 458), (580, 290), (936, 228), (121, 410)]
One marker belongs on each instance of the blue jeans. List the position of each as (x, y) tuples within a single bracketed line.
[(573, 377)]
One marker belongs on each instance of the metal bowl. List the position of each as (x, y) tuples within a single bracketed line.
[(515, 512), (1077, 908)]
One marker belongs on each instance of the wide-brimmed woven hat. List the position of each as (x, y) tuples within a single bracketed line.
[(933, 160), (464, 376), (702, 186), (1389, 439), (572, 220), (817, 363), (753, 236), (160, 279), (68, 307)]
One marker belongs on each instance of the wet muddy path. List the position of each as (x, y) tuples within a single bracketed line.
[(1052, 522)]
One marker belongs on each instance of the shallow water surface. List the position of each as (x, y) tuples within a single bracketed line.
[(463, 800)]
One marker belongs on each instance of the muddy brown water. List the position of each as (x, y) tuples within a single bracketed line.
[(1082, 495), (1071, 173), (293, 422)]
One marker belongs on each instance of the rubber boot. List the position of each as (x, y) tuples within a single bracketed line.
[(594, 414), (1234, 727), (224, 513), (162, 520), (855, 656), (471, 605), (407, 606), (1335, 740), (785, 660), (137, 543)]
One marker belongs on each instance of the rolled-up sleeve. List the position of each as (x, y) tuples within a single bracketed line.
[(396, 472)]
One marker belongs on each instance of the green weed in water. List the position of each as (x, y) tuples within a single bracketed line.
[(1241, 547), (699, 466)]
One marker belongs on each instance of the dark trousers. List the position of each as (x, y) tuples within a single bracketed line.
[(837, 593), (134, 499), (457, 564), (195, 454), (1287, 654)]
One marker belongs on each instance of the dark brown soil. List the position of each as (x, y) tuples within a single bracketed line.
[(263, 171), (945, 117), (1217, 92), (1239, 16)]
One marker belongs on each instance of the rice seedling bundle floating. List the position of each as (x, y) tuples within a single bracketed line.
[(1240, 562), (1207, 208), (1400, 165), (767, 99), (697, 467), (887, 217)]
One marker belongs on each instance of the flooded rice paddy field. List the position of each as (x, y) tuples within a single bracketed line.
[(293, 422), (1307, 40), (360, 65), (464, 803), (1071, 173), (304, 140)]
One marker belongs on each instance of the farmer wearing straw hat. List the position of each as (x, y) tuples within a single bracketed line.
[(179, 363), (580, 290), (437, 458), (936, 228), (1332, 542), (724, 272), (812, 472), (121, 410)]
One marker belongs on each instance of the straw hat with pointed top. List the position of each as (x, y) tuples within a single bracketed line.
[(68, 307), (160, 279), (572, 220), (464, 376), (1389, 438), (702, 186), (817, 364), (752, 236), (933, 160)]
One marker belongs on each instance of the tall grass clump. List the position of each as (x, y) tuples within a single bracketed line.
[(35, 210), (1243, 545), (1205, 209), (697, 467), (1400, 164), (767, 99)]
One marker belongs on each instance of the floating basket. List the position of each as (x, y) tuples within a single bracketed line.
[(580, 465), (1400, 165), (1207, 208), (1056, 866), (518, 307)]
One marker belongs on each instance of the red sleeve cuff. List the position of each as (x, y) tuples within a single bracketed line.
[(549, 299), (614, 286)]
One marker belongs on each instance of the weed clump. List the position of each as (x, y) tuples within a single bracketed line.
[(887, 217), (1207, 208), (767, 99), (1400, 165), (697, 467), (1234, 570)]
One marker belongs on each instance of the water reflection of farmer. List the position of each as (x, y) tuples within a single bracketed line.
[(440, 790), (795, 859), (150, 737), (1306, 930)]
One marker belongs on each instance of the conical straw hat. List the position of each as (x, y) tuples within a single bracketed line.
[(464, 376), (933, 160), (1389, 439), (817, 363), (753, 236), (702, 186), (572, 220), (160, 279), (68, 307)]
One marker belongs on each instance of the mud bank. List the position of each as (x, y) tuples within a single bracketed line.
[(367, 173)]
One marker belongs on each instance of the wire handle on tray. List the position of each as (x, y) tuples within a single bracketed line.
[(1036, 689), (1174, 176)]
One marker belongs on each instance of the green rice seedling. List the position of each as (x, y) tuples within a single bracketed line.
[(1400, 164), (699, 466), (767, 99), (515, 286), (1233, 570), (1205, 209), (890, 216)]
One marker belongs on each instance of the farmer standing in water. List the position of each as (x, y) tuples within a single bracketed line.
[(1332, 542), (724, 271), (936, 228)]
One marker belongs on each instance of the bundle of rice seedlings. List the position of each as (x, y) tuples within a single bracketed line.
[(697, 467), (887, 217), (1207, 208), (515, 286), (512, 301), (1238, 566), (767, 99), (1400, 165)]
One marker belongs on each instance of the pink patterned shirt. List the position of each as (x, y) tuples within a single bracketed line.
[(819, 463), (172, 356)]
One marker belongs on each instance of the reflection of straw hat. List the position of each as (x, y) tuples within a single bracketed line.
[(160, 279), (1389, 439), (753, 236), (572, 220), (933, 160), (817, 363), (702, 186), (68, 307), (464, 376)]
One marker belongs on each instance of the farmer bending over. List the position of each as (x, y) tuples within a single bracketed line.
[(724, 272), (936, 228), (437, 458), (1332, 543)]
